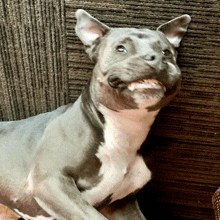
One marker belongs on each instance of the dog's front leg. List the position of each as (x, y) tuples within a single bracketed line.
[(60, 198), (124, 209)]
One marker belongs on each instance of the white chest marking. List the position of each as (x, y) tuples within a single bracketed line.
[(40, 217), (123, 170)]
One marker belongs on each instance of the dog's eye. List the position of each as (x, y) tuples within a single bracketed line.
[(121, 48), (166, 52)]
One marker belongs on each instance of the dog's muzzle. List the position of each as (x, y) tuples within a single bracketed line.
[(138, 76)]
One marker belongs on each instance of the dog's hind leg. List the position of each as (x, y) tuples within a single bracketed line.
[(124, 209)]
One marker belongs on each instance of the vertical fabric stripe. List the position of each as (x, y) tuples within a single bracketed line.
[(33, 66)]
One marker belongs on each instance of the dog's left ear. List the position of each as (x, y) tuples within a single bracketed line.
[(175, 29), (89, 29)]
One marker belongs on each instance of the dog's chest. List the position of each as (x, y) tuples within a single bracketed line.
[(123, 170), (120, 177)]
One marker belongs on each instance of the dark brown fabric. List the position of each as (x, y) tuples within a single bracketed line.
[(33, 68), (43, 65)]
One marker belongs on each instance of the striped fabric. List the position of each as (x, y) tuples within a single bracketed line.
[(33, 63), (216, 204)]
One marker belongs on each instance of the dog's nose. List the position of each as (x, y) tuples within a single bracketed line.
[(152, 59)]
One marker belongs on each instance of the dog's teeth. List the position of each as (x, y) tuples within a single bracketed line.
[(131, 86), (144, 84)]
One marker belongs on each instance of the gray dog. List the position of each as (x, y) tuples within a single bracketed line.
[(82, 161)]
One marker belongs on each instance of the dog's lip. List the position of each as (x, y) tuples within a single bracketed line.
[(146, 84)]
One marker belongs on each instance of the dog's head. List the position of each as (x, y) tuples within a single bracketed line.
[(135, 68)]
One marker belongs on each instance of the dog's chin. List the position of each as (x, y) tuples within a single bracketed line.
[(144, 103), (145, 93)]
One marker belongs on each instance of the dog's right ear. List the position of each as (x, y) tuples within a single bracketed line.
[(89, 29)]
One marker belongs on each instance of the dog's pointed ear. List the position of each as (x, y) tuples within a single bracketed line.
[(175, 29), (89, 29)]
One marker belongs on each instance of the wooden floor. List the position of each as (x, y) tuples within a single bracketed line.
[(7, 214)]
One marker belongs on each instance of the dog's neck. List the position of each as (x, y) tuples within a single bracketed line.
[(125, 129), (89, 108), (128, 128)]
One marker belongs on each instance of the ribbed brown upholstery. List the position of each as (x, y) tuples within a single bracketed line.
[(43, 65), (33, 66), (216, 204)]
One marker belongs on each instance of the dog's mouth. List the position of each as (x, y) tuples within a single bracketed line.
[(139, 93), (147, 85), (145, 89), (140, 89)]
